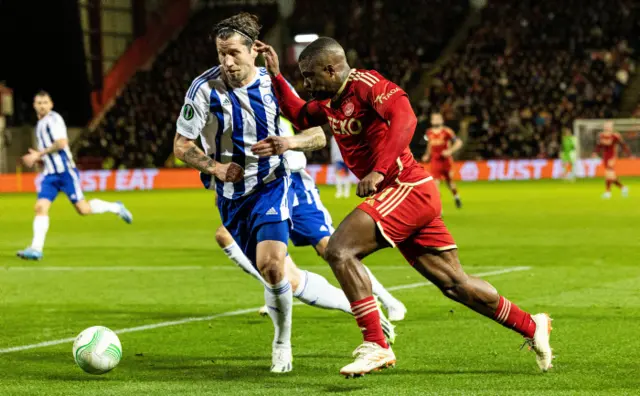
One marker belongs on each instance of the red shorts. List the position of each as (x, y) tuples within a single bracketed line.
[(440, 169), (609, 163), (408, 216)]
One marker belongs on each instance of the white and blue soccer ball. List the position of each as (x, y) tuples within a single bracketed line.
[(97, 350)]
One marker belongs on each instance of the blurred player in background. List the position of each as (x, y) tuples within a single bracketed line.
[(343, 184), (373, 123), (568, 154), (442, 143), (607, 149), (60, 175)]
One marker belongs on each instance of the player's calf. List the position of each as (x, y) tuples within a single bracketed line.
[(445, 271)]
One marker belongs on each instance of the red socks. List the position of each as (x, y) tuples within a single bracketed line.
[(615, 182), (509, 315), (368, 318)]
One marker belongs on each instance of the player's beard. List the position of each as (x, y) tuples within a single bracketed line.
[(321, 95)]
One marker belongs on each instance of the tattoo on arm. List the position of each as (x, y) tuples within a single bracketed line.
[(187, 151), (309, 140), (57, 145)]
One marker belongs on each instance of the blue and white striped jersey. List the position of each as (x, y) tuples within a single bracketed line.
[(49, 129), (231, 120)]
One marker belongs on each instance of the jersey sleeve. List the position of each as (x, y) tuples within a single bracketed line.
[(193, 115), (303, 115), (58, 128), (379, 92)]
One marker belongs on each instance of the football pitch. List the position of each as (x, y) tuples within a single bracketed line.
[(190, 316)]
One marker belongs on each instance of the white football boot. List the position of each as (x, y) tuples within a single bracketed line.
[(281, 359), (625, 191), (606, 195), (388, 329), (540, 341), (396, 312), (369, 357), (263, 311)]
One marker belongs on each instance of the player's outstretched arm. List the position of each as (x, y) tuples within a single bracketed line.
[(292, 106), (186, 150), (308, 140), (457, 145), (624, 146)]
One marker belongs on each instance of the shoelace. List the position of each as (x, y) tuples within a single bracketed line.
[(529, 342), (362, 350)]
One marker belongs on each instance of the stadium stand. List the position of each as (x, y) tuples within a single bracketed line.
[(525, 73), (531, 68)]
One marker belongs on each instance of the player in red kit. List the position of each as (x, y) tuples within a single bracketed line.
[(607, 148), (442, 143), (373, 123)]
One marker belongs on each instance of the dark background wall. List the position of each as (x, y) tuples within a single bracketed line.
[(41, 48)]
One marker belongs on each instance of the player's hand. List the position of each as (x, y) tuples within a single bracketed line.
[(273, 145), (446, 153), (425, 158), (369, 185), (230, 172), (270, 57), (31, 158)]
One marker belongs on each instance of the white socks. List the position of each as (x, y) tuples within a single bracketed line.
[(40, 228), (99, 206), (383, 295), (343, 186), (279, 301), (236, 255), (316, 291)]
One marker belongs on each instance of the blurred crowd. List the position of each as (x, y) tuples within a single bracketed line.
[(524, 74), (531, 68)]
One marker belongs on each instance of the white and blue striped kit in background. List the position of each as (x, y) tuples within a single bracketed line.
[(49, 129), (60, 173)]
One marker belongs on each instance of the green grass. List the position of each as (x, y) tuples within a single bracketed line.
[(584, 259)]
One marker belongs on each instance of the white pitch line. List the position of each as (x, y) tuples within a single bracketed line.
[(160, 268), (116, 268), (231, 313)]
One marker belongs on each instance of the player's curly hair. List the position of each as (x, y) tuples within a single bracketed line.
[(244, 24)]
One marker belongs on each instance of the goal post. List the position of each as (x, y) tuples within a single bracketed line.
[(586, 132)]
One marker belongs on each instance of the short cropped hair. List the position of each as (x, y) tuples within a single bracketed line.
[(42, 92), (320, 46), (244, 24)]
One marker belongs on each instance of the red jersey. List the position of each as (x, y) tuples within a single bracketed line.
[(439, 141), (608, 143), (358, 119)]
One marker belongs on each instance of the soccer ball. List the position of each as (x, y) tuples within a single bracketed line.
[(97, 350)]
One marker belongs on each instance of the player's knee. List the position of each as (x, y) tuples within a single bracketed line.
[(223, 237), (83, 210), (321, 247), (336, 254), (271, 267), (41, 209), (456, 289)]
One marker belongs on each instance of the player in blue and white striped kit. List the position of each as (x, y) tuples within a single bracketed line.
[(60, 175), (312, 226), (231, 108)]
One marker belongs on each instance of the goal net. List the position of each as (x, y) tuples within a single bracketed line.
[(586, 132)]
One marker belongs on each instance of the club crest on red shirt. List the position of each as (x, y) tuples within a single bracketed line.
[(348, 108)]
